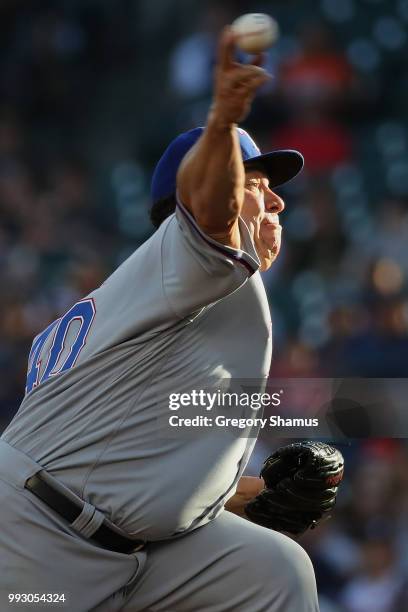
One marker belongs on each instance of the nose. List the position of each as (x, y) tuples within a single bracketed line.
[(273, 203)]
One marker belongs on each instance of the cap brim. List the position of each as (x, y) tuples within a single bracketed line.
[(279, 166)]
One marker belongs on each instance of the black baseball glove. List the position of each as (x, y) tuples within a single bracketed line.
[(301, 482)]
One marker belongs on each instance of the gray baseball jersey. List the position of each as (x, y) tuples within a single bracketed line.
[(183, 312)]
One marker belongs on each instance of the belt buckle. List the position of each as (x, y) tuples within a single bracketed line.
[(139, 547)]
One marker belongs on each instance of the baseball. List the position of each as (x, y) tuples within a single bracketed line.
[(255, 32)]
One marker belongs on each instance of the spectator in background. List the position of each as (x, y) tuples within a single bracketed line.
[(191, 63), (42, 66), (323, 140), (369, 341), (317, 84), (379, 586), (357, 557), (318, 73)]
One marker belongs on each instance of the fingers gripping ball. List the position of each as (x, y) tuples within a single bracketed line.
[(255, 32), (301, 483)]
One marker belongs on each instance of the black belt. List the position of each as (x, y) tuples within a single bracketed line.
[(70, 510)]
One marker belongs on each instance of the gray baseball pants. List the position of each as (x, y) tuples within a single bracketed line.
[(228, 565)]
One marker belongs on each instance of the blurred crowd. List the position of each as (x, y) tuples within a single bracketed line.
[(360, 554), (90, 95)]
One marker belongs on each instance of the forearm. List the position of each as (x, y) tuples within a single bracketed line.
[(211, 179), (248, 488)]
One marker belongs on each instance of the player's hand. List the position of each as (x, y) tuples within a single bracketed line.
[(235, 84)]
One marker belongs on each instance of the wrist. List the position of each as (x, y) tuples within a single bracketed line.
[(217, 122)]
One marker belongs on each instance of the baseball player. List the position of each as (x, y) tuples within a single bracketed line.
[(100, 508)]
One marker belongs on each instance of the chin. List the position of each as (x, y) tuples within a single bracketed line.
[(266, 264), (268, 259)]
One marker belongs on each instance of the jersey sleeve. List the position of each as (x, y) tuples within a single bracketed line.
[(197, 270)]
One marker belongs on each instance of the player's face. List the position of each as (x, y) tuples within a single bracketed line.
[(261, 214)]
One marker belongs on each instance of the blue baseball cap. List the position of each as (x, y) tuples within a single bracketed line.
[(279, 166)]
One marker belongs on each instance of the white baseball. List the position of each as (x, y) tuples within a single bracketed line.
[(255, 32)]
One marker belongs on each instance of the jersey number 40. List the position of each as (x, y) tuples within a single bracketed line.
[(84, 312)]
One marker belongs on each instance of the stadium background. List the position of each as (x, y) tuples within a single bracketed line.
[(91, 93)]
